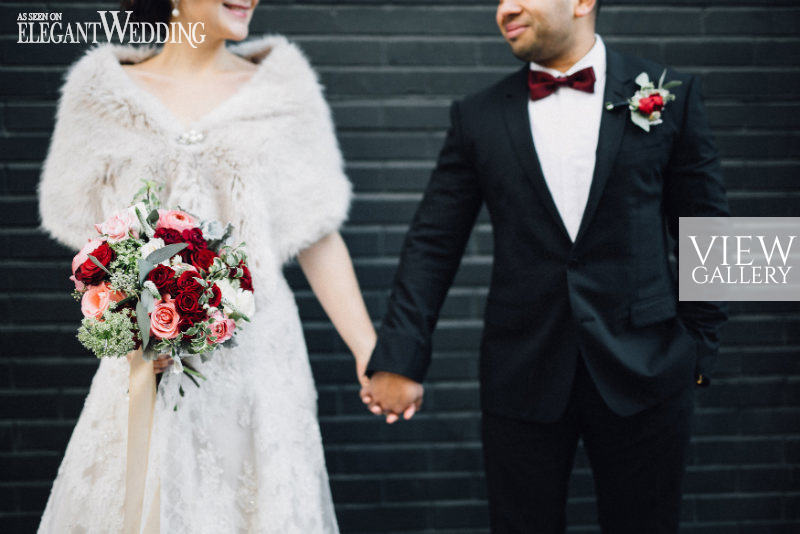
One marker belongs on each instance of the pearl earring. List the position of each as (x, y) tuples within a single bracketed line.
[(175, 11)]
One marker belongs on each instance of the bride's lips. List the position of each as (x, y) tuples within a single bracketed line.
[(237, 10), (515, 30)]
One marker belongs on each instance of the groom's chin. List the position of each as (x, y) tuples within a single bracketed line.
[(526, 52)]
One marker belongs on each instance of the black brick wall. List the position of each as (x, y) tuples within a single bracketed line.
[(391, 68)]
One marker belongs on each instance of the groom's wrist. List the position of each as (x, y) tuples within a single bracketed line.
[(400, 354)]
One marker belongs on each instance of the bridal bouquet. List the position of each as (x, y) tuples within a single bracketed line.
[(162, 280)]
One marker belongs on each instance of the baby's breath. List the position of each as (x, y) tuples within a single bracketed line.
[(110, 337)]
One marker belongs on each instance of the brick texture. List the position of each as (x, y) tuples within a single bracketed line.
[(391, 69)]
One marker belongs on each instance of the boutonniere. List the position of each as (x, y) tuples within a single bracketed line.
[(648, 102)]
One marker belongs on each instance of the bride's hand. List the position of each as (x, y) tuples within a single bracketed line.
[(361, 369), (160, 365)]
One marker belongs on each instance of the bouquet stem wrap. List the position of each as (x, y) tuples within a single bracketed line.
[(141, 404)]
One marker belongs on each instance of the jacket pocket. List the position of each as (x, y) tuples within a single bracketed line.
[(653, 310)]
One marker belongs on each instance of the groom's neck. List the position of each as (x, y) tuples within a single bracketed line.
[(583, 42)]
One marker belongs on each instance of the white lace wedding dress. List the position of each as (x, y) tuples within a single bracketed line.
[(243, 452)]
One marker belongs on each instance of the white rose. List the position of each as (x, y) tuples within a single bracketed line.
[(177, 264), (151, 246), (236, 299)]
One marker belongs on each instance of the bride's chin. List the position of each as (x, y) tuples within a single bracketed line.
[(233, 33)]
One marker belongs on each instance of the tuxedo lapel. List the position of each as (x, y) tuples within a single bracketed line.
[(515, 113), (612, 124)]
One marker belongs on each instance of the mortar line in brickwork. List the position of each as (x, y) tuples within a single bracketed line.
[(412, 475)]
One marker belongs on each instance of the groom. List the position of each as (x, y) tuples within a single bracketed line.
[(584, 336)]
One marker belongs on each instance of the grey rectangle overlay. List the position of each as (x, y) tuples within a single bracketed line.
[(739, 258)]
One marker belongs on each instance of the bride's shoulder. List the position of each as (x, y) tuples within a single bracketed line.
[(92, 69), (278, 53)]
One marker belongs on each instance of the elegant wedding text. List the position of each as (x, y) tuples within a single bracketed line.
[(49, 28)]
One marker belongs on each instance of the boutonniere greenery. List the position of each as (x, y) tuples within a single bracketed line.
[(647, 104)]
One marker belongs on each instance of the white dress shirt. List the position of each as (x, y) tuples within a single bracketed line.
[(565, 127)]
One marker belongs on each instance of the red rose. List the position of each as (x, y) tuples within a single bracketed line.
[(168, 235), (188, 304), (194, 237), (651, 103), (658, 102), (246, 280), (203, 258), (91, 274), (163, 277), (645, 106), (216, 297), (187, 281)]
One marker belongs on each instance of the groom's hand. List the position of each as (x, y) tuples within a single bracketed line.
[(393, 394)]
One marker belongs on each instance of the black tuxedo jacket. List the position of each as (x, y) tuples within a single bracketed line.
[(610, 296)]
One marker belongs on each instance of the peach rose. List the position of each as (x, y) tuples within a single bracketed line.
[(97, 300), (81, 257), (118, 226), (175, 219), (164, 319), (222, 328)]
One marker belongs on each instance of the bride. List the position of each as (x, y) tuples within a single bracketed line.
[(242, 134)]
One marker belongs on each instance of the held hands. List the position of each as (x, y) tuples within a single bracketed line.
[(392, 394), (386, 393)]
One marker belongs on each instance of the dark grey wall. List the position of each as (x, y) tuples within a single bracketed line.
[(391, 69)]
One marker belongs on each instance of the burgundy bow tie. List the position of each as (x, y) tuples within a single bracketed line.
[(542, 84)]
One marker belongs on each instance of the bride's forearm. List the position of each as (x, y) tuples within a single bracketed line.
[(329, 270)]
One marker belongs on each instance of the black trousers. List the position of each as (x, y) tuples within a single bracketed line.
[(638, 464)]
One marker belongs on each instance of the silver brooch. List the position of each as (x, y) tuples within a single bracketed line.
[(191, 137)]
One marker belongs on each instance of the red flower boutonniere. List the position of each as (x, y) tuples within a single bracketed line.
[(647, 104)]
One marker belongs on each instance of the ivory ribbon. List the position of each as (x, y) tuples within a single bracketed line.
[(141, 403)]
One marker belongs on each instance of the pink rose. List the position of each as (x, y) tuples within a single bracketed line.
[(176, 220), (80, 286), (97, 300), (118, 226), (164, 319), (222, 328)]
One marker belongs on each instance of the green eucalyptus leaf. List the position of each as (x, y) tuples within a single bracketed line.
[(673, 83), (148, 301), (97, 262), (152, 218), (143, 321), (214, 244), (144, 269), (148, 230), (165, 253)]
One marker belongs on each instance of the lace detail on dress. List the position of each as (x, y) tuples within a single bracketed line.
[(241, 454), (87, 497)]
